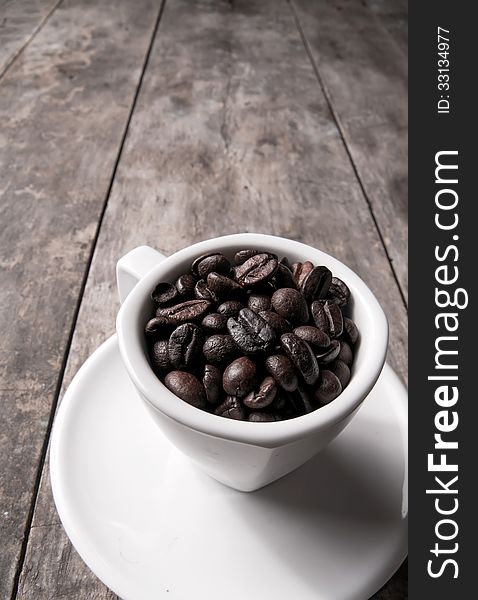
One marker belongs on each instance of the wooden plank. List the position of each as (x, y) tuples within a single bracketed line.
[(63, 109), (365, 75), (393, 14), (20, 20), (230, 133)]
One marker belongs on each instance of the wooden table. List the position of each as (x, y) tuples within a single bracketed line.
[(145, 122)]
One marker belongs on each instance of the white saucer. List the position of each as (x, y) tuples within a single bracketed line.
[(151, 526)]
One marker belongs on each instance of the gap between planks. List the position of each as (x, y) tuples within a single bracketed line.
[(33, 34), (86, 273), (342, 134)]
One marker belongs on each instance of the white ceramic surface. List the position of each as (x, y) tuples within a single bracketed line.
[(153, 527), (243, 455)]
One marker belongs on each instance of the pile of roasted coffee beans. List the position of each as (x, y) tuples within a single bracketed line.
[(258, 340)]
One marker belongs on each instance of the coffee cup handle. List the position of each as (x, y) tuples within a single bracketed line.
[(133, 266)]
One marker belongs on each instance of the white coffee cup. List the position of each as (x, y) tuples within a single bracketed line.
[(243, 455)]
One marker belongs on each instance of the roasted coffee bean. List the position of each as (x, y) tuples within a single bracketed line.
[(328, 389), (301, 356), (207, 263), (185, 345), (339, 292), (350, 331), (251, 332), (187, 387), (342, 371), (316, 283), (255, 270), (328, 317), (231, 408), (157, 325), (239, 377), (220, 348), (191, 310), (160, 356), (315, 337), (263, 396), (284, 278), (300, 271), (259, 302), (243, 255), (214, 323), (164, 293), (345, 354), (278, 323), (202, 292), (282, 370), (212, 382), (290, 304), (303, 398), (185, 284), (262, 417), (328, 355), (230, 308), (223, 287)]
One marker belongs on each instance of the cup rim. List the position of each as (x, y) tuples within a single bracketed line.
[(261, 434)]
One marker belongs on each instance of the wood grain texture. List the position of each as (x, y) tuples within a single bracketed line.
[(63, 110), (393, 14), (230, 133), (20, 20), (365, 75)]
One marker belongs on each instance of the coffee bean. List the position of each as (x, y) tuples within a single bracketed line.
[(350, 331), (185, 284), (300, 271), (187, 387), (339, 292), (336, 319), (202, 292), (290, 304), (220, 348), (262, 417), (303, 399), (278, 323), (164, 293), (223, 287), (157, 325), (342, 371), (345, 353), (250, 332), (316, 283), (263, 396), (328, 317), (259, 302), (191, 310), (328, 355), (185, 345), (328, 389), (160, 356), (301, 356), (214, 323), (230, 308), (212, 382), (239, 377), (315, 337), (243, 255), (257, 269), (284, 278), (231, 408), (207, 263), (282, 370)]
